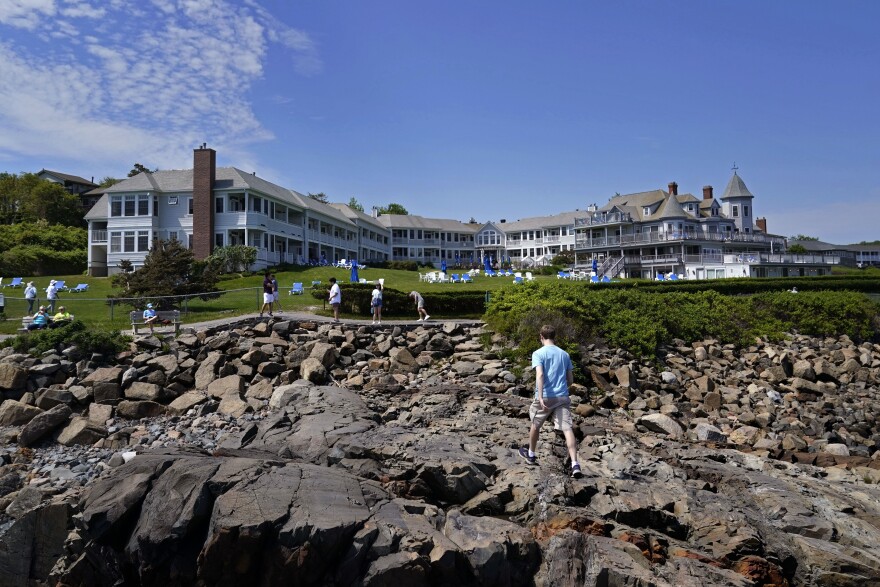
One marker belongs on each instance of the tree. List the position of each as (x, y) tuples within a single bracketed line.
[(28, 198), (108, 181), (355, 205), (472, 221), (233, 258), (320, 196), (803, 237), (169, 270), (800, 249), (138, 168), (393, 209)]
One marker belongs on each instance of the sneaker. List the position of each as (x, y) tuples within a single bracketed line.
[(270, 314), (576, 471), (374, 321), (427, 318), (261, 314), (524, 453)]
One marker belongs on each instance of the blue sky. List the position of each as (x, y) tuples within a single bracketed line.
[(461, 109)]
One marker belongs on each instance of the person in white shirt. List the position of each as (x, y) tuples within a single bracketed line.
[(376, 304), (30, 294), (52, 296), (335, 298)]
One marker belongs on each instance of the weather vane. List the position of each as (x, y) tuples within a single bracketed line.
[(734, 167)]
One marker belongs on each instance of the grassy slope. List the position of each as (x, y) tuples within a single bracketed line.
[(243, 297)]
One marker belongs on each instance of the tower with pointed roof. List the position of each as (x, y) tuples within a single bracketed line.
[(737, 203)]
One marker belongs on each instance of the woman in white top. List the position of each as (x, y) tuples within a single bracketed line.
[(376, 304), (30, 294)]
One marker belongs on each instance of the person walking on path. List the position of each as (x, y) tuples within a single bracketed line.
[(553, 376), (420, 306), (335, 298), (376, 304), (52, 296), (268, 296), (30, 294), (275, 303)]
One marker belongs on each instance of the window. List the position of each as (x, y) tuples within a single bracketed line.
[(236, 202), (190, 206), (155, 205), (143, 240), (128, 241), (115, 242), (189, 241), (172, 201), (218, 239), (736, 211), (257, 204), (218, 206), (129, 205), (646, 210), (115, 205), (745, 211), (143, 205)]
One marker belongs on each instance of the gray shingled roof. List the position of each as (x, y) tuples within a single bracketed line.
[(413, 221), (671, 208), (67, 177), (736, 188), (536, 222), (100, 211), (353, 214)]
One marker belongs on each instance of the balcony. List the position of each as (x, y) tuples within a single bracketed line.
[(99, 236), (585, 242), (600, 218)]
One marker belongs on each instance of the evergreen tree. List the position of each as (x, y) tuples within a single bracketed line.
[(169, 270)]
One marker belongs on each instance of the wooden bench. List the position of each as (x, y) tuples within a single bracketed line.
[(172, 316), (28, 320)]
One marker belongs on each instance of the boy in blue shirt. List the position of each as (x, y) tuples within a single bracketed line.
[(553, 376), (150, 317)]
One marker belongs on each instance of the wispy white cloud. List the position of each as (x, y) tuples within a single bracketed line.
[(137, 81)]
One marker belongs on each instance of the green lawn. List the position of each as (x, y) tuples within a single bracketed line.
[(243, 296)]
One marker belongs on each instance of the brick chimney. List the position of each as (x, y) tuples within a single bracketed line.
[(707, 192), (673, 188), (204, 173), (761, 223)]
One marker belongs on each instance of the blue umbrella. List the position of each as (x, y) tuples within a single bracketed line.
[(457, 258), (354, 271), (595, 266), (443, 265), (487, 263)]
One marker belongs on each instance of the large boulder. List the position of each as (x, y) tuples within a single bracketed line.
[(14, 413), (12, 377), (43, 424)]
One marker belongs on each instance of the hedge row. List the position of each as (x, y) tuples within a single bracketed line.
[(27, 260), (641, 321), (750, 285), (356, 298)]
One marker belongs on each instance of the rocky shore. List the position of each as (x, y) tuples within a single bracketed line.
[(317, 454)]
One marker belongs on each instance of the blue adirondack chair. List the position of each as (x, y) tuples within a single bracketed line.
[(466, 278), (16, 282), (79, 288)]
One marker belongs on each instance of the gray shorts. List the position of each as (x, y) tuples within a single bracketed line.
[(559, 408)]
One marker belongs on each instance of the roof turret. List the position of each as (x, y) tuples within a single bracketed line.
[(736, 188)]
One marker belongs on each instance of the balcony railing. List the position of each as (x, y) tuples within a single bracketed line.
[(603, 218), (584, 242), (99, 236)]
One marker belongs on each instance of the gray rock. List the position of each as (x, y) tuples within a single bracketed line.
[(12, 377), (14, 413), (663, 424), (43, 424)]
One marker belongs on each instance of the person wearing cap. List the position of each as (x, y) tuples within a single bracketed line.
[(150, 317), (40, 321), (30, 294), (52, 296), (61, 318)]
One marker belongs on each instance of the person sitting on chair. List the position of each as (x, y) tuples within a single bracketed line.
[(61, 318), (150, 317), (40, 321)]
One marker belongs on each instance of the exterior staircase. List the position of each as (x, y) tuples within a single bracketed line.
[(611, 267)]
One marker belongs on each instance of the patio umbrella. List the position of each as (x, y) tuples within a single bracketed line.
[(443, 265), (457, 259), (595, 266), (354, 271), (487, 263)]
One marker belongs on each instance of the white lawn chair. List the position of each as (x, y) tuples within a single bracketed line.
[(529, 276)]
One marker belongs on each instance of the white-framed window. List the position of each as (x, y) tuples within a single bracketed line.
[(735, 211), (745, 211), (172, 200), (129, 205), (257, 205), (128, 244), (143, 240), (191, 205), (115, 242), (155, 205), (218, 239), (143, 205), (115, 205)]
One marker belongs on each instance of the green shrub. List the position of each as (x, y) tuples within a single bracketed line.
[(643, 319), (76, 333)]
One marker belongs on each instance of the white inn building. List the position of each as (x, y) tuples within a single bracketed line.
[(640, 234)]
